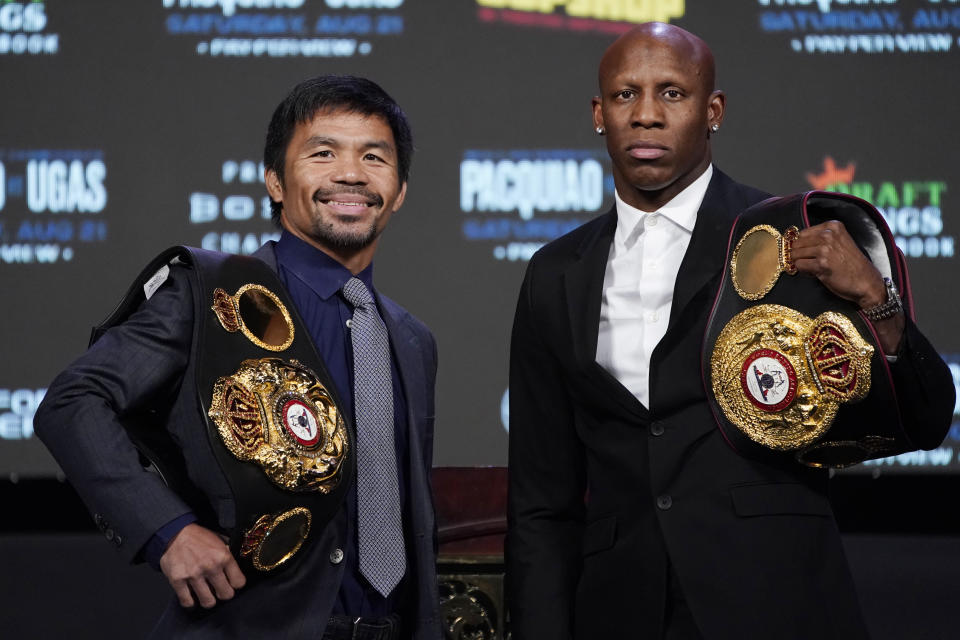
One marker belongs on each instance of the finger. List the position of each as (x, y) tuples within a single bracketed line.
[(202, 591), (814, 252), (813, 266), (829, 225), (811, 251), (183, 593), (804, 247), (813, 239), (221, 586), (234, 574)]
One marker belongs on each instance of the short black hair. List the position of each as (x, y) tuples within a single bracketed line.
[(334, 92)]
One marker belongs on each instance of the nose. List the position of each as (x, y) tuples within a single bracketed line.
[(350, 170), (647, 112)]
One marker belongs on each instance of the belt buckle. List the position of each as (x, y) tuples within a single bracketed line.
[(353, 633)]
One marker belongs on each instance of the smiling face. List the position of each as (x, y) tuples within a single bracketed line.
[(340, 184), (657, 104)]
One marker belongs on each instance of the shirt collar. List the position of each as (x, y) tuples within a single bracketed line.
[(681, 209), (324, 275)]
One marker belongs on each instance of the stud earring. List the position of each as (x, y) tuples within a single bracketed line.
[(600, 131), (714, 127)]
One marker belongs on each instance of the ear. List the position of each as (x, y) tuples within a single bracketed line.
[(274, 185), (402, 195), (716, 107), (597, 112)]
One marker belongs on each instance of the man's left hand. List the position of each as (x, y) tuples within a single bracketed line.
[(827, 252)]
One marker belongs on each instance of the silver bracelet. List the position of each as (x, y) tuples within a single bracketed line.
[(891, 307)]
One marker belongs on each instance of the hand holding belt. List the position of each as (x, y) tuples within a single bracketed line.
[(788, 365)]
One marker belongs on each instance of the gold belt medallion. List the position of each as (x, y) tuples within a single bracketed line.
[(780, 376), (759, 258), (278, 415), (274, 539), (257, 313)]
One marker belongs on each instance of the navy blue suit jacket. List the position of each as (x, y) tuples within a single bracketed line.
[(143, 362)]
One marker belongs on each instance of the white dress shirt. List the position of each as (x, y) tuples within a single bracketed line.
[(642, 268)]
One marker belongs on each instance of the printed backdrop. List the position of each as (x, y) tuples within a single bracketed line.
[(132, 126)]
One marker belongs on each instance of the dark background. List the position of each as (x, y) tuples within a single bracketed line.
[(475, 77), (165, 120)]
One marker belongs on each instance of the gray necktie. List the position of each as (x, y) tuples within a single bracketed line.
[(379, 529)]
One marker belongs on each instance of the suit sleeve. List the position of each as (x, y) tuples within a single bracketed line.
[(135, 365), (546, 483), (925, 391)]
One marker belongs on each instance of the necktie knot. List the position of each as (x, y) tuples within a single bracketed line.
[(357, 293)]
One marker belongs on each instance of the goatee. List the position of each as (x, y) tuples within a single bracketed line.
[(349, 235)]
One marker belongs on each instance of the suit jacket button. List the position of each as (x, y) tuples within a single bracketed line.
[(118, 541), (109, 533), (664, 502), (336, 556), (656, 429)]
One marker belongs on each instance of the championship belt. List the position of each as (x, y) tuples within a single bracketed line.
[(273, 418), (269, 406), (787, 365)]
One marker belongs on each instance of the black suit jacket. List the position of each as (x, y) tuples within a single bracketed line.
[(605, 494), (143, 362)]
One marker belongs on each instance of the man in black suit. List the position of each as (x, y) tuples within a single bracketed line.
[(337, 158), (629, 515)]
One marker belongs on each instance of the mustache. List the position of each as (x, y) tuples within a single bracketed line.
[(328, 194)]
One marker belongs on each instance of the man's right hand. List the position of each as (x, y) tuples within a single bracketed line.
[(199, 564)]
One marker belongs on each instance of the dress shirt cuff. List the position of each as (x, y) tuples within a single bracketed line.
[(902, 349), (157, 545)]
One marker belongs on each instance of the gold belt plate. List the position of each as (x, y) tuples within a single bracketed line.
[(279, 416), (275, 538), (780, 376), (759, 258)]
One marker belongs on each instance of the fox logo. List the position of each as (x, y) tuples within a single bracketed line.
[(831, 175)]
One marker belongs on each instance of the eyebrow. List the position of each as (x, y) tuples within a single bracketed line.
[(664, 80), (321, 141)]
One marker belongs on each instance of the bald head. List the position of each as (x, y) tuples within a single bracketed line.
[(640, 40), (657, 108)]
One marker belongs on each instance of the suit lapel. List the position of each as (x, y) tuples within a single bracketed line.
[(583, 281), (406, 349), (267, 254), (705, 255)]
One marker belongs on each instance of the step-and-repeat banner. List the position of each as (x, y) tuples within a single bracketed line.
[(132, 126)]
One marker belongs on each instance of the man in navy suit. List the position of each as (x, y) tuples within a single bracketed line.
[(337, 158), (628, 514)]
